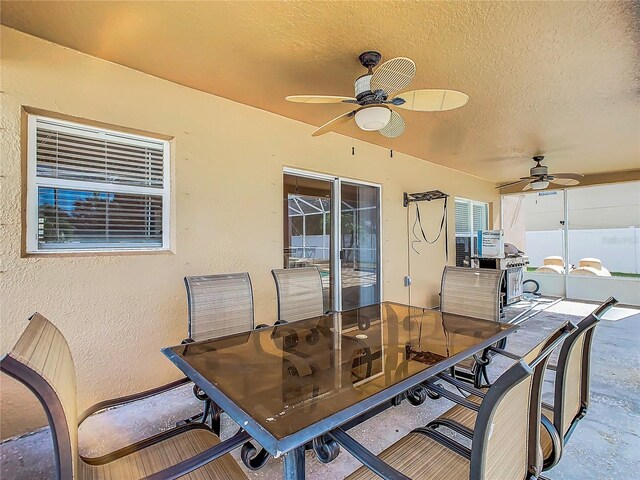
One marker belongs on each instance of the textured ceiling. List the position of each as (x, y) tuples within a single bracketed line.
[(562, 78)]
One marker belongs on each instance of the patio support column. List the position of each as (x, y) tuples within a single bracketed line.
[(336, 243), (294, 464), (565, 234)]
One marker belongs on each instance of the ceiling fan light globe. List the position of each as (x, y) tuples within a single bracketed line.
[(373, 118), (539, 185)]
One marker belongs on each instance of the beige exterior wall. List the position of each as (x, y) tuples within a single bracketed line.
[(117, 311)]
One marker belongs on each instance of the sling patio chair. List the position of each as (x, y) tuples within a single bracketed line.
[(220, 305), (42, 361), (571, 387), (299, 293), (571, 391), (505, 437), (472, 292), (217, 305)]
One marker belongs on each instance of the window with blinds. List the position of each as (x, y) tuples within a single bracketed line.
[(471, 216), (463, 223), (92, 189), (479, 216)]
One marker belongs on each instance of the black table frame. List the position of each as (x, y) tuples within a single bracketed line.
[(292, 446)]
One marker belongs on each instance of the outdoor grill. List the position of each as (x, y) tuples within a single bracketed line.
[(513, 266)]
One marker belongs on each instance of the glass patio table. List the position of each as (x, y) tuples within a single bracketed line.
[(289, 384)]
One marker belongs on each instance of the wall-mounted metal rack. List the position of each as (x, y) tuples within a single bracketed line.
[(423, 196)]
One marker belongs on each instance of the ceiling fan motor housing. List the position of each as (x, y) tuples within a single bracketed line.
[(539, 170)]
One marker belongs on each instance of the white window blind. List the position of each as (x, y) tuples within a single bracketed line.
[(471, 216), (92, 189), (463, 223), (480, 213)]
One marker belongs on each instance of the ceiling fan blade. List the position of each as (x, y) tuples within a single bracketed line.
[(393, 75), (527, 187), (329, 126), (512, 183), (573, 176), (319, 99), (567, 182), (395, 127), (433, 100)]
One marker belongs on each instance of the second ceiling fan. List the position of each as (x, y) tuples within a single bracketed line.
[(539, 177), (376, 96)]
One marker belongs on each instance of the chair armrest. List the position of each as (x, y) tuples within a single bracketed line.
[(451, 396), (446, 441), (505, 353), (365, 457), (461, 385), (130, 398), (201, 459), (451, 425)]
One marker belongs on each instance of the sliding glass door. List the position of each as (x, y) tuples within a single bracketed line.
[(307, 227), (334, 224), (359, 270)]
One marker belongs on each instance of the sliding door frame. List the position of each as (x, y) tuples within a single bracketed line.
[(336, 227)]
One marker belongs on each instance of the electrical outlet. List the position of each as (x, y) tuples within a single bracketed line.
[(407, 281)]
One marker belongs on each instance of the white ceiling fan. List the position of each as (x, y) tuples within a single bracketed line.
[(539, 177), (375, 95)]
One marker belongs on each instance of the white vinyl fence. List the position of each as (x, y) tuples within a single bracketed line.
[(617, 248)]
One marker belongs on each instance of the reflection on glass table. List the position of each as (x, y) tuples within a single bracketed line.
[(289, 383)]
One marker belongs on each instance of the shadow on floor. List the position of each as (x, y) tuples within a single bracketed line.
[(605, 445)]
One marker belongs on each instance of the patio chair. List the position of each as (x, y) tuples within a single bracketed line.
[(42, 361), (505, 435), (472, 292), (219, 305), (299, 293), (571, 391), (571, 387)]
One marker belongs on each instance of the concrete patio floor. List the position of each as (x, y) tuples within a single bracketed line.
[(605, 445)]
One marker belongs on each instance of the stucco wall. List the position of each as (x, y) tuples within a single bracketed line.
[(117, 311)]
